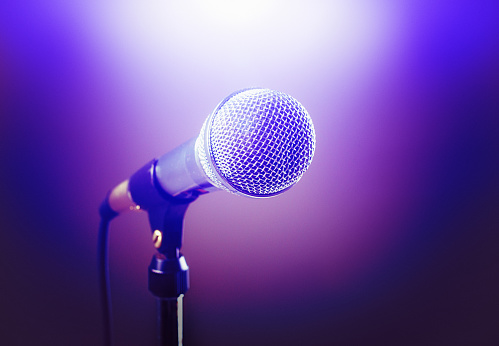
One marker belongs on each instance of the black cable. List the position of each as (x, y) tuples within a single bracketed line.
[(106, 214)]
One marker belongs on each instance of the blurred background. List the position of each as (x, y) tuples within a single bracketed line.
[(390, 238)]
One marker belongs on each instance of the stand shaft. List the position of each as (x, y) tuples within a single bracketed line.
[(170, 328)]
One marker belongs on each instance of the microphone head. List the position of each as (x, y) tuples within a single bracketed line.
[(257, 143)]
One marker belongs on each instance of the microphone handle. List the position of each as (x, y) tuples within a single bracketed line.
[(178, 173)]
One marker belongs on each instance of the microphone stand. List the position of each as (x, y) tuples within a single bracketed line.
[(168, 271)]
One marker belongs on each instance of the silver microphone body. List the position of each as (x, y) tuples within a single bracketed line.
[(256, 143)]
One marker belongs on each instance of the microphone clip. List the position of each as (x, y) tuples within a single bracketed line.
[(168, 271)]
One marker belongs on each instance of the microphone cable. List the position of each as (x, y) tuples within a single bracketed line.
[(106, 215)]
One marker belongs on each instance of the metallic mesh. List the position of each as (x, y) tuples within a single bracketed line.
[(260, 142)]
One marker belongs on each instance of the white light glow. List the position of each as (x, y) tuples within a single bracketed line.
[(248, 40)]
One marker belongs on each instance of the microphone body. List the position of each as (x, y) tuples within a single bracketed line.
[(176, 173), (256, 143)]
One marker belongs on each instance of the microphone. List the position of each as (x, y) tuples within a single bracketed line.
[(256, 143)]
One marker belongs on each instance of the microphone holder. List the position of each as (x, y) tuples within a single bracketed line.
[(168, 278), (168, 271)]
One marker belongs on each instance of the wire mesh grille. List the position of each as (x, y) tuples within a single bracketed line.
[(260, 142)]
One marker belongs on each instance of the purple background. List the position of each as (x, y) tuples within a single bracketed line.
[(390, 238)]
